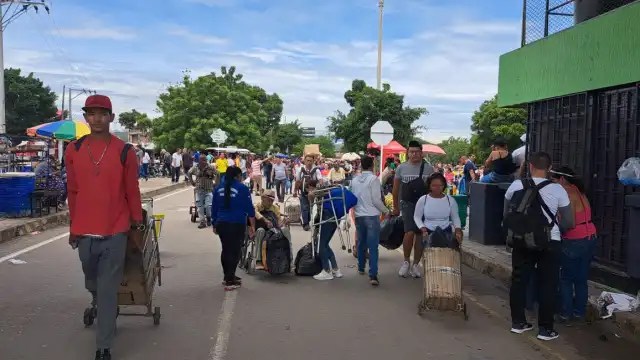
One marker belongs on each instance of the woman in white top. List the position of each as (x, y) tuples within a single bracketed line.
[(437, 209)]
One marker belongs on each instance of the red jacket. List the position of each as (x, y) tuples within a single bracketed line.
[(103, 199)]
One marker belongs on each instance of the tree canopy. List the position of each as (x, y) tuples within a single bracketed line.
[(135, 120), (369, 105), (327, 147), (287, 136), (192, 109), (455, 147), (28, 102), (491, 121)]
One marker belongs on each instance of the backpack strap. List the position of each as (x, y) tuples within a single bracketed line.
[(79, 142), (124, 153), (421, 169), (543, 204)]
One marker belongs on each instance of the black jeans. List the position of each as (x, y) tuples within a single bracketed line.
[(524, 263), (279, 184), (176, 174), (267, 178), (232, 238)]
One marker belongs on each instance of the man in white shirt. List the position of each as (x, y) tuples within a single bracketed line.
[(518, 155), (176, 164), (366, 187), (146, 159), (545, 262)]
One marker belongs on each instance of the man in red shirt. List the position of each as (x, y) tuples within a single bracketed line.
[(104, 205)]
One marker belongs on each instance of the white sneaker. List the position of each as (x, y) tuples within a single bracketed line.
[(323, 276), (404, 269), (337, 273), (416, 271)]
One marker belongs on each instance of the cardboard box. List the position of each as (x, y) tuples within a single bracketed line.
[(312, 149)]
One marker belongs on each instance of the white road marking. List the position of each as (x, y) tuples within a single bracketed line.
[(219, 350), (43, 243)]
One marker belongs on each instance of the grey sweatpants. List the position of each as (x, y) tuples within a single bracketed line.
[(103, 265)]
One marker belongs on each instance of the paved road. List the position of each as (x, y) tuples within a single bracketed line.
[(286, 317)]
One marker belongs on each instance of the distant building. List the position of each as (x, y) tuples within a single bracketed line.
[(308, 132)]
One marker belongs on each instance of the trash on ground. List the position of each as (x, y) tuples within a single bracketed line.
[(17, 261), (610, 302)]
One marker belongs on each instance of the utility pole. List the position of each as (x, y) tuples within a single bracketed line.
[(15, 8), (79, 92), (62, 110), (379, 78)]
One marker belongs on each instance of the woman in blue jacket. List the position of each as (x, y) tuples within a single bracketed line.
[(230, 208)]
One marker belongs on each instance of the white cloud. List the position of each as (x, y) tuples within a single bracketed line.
[(184, 32), (91, 32)]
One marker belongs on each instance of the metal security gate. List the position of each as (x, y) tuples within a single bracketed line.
[(616, 135), (562, 127)]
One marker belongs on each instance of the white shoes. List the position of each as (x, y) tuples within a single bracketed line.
[(408, 270), (416, 271), (324, 276), (404, 269), (337, 273)]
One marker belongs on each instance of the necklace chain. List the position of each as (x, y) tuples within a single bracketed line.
[(97, 163)]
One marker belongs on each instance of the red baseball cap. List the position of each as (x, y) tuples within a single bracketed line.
[(97, 101)]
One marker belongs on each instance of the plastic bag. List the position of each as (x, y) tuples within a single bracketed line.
[(629, 172), (441, 238), (392, 233)]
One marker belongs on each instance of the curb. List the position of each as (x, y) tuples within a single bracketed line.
[(629, 322), (62, 217)]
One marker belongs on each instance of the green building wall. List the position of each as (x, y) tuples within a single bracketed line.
[(599, 53)]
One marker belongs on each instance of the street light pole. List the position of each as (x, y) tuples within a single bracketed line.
[(379, 78), (20, 8)]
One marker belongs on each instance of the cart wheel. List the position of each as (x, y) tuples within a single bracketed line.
[(466, 312), (156, 315), (89, 316), (194, 217)]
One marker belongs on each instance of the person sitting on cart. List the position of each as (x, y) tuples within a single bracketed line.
[(268, 217), (204, 183)]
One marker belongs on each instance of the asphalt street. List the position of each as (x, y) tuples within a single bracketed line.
[(285, 317)]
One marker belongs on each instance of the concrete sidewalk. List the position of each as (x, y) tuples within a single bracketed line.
[(11, 228), (495, 261)]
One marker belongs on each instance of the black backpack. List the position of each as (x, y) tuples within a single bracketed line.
[(123, 154), (415, 189), (278, 253), (306, 176), (526, 223)]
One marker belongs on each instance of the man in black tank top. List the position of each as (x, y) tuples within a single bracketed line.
[(500, 162)]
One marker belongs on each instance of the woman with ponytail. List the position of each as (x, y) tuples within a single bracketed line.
[(230, 208)]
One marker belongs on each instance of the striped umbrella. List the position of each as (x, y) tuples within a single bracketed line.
[(61, 130)]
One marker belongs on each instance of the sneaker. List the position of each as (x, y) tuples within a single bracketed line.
[(202, 225), (547, 335), (103, 355), (306, 227), (373, 280), (521, 328), (323, 276), (232, 285), (337, 273), (404, 269), (416, 271), (237, 279), (361, 272)]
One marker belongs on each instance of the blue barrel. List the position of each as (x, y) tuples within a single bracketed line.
[(15, 193)]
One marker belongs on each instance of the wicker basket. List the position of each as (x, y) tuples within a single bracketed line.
[(442, 280)]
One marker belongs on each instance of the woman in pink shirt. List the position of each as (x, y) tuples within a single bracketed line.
[(578, 246)]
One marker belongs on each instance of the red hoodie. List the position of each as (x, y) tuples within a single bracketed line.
[(103, 203)]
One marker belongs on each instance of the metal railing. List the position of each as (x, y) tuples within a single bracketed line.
[(541, 18)]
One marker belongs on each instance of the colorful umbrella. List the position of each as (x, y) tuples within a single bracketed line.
[(61, 130), (432, 149)]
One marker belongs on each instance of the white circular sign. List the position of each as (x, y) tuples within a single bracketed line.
[(218, 136), (382, 133)]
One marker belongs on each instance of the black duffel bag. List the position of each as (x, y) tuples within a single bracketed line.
[(305, 263), (392, 232)]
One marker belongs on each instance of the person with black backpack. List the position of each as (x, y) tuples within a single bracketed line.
[(536, 212), (409, 185)]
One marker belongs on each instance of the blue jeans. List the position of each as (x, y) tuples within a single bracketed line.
[(368, 229), (493, 178), (327, 257), (305, 209), (574, 274), (203, 204), (145, 171)]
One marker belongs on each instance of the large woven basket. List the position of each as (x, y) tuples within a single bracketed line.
[(442, 279)]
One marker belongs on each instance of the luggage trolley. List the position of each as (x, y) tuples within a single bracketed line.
[(320, 196), (141, 271)]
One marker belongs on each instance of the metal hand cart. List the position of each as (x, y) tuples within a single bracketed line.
[(141, 273), (320, 196)]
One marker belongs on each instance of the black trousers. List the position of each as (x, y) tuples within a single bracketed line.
[(176, 174), (232, 238), (546, 265), (279, 184)]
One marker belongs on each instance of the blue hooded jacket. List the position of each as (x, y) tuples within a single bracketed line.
[(240, 204)]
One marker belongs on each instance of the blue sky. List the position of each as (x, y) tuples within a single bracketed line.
[(440, 54)]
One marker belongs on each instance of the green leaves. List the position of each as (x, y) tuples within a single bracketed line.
[(369, 105), (327, 147), (135, 120), (195, 107), (455, 148), (28, 102), (491, 121)]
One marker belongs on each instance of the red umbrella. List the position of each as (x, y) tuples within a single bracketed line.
[(373, 145), (433, 149)]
